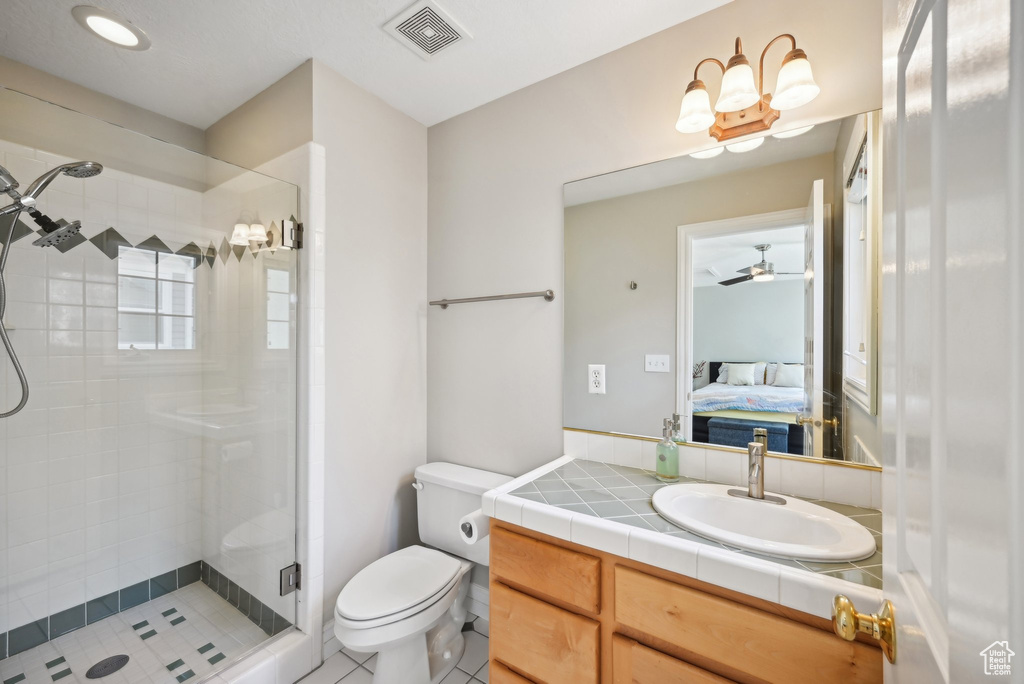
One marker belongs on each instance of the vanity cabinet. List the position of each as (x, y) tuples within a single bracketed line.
[(560, 612)]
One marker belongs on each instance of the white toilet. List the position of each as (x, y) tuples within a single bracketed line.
[(410, 605)]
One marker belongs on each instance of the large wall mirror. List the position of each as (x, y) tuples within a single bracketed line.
[(737, 290)]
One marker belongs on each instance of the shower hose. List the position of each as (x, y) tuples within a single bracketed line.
[(3, 329)]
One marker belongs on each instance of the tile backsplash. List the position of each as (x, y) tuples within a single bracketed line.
[(806, 478)]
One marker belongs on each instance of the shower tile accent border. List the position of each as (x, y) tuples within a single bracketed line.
[(259, 613), (33, 634)]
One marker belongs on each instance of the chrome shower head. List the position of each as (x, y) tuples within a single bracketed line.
[(82, 169), (7, 181), (59, 235)]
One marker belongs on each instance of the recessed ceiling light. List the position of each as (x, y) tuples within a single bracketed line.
[(793, 133), (708, 154), (745, 145), (111, 28)]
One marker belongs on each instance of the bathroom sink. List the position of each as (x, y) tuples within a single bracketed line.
[(797, 530)]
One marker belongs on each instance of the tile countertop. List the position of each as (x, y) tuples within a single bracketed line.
[(608, 507)]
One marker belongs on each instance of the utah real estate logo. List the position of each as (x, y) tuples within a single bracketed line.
[(997, 658)]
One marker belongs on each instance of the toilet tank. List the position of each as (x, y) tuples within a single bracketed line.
[(446, 492)]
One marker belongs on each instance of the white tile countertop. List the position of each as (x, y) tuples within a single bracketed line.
[(787, 583)]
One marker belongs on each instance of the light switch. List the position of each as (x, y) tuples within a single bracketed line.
[(656, 363), (595, 378)]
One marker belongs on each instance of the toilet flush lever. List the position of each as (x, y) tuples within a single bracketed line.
[(417, 486)]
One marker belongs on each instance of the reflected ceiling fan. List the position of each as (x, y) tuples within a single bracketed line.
[(761, 272)]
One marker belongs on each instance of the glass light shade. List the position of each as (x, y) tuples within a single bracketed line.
[(112, 31), (695, 113), (796, 86), (738, 89), (708, 154), (240, 235), (793, 133), (257, 233), (745, 145), (764, 277)]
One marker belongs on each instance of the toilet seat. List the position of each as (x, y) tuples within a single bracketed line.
[(396, 586)]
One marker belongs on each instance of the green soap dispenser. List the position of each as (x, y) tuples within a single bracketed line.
[(677, 431), (667, 468)]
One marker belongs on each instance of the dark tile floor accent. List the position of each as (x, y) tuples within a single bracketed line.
[(624, 495)]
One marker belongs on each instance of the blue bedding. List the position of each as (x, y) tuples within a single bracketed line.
[(768, 398)]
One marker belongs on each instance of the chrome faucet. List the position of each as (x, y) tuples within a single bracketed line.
[(755, 476)]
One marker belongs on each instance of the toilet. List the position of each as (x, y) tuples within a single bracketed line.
[(410, 605)]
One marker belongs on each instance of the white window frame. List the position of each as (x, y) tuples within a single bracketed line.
[(156, 314)]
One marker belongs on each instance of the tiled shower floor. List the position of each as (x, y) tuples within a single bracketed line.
[(163, 647)]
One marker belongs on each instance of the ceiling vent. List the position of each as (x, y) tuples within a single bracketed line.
[(426, 29)]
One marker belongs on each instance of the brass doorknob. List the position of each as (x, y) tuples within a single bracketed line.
[(846, 622)]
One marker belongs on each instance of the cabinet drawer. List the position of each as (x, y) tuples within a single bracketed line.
[(546, 570), (502, 675), (548, 644), (742, 642), (634, 663)]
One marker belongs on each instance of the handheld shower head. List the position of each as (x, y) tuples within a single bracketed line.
[(82, 169), (7, 181)]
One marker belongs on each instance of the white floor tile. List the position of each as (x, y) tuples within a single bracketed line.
[(357, 656), (456, 676), (359, 676), (476, 652), (371, 663), (333, 669)]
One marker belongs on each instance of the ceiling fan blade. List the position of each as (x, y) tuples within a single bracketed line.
[(733, 281), (783, 273), (749, 270)]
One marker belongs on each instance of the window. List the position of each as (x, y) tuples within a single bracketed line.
[(278, 308), (156, 300)]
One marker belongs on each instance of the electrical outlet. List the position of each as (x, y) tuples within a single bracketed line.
[(656, 363), (595, 378)]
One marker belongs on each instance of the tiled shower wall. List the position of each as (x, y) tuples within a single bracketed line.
[(100, 489), (101, 476)]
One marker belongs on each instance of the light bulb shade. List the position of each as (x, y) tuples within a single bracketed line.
[(796, 86), (792, 133), (240, 235), (738, 88), (257, 233), (764, 277), (695, 114), (708, 154), (745, 145)]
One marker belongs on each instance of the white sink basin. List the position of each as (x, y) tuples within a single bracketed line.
[(797, 530)]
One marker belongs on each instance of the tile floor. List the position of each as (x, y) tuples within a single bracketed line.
[(179, 637), (350, 667)]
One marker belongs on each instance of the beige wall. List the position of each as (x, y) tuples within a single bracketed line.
[(25, 79), (376, 320), (634, 237), (276, 121), (496, 173)]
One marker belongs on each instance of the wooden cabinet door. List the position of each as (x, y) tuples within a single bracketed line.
[(546, 570), (634, 663), (548, 644), (499, 674), (743, 643)]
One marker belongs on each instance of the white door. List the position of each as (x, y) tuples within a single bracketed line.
[(952, 337), (814, 319)]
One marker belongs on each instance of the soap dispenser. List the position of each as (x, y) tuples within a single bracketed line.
[(667, 461)]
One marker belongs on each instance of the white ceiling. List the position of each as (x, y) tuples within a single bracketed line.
[(730, 253), (684, 169), (210, 56)]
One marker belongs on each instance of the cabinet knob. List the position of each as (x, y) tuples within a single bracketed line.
[(846, 622)]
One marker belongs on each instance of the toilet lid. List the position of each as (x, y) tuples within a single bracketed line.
[(396, 582)]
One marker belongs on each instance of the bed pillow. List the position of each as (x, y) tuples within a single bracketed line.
[(759, 372), (769, 373), (723, 373), (741, 373), (790, 375)]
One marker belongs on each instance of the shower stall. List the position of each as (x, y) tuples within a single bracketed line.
[(148, 486)]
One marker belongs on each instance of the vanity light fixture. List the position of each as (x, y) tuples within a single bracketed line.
[(111, 27), (240, 235), (793, 133), (743, 107), (745, 145), (257, 233), (708, 154)]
